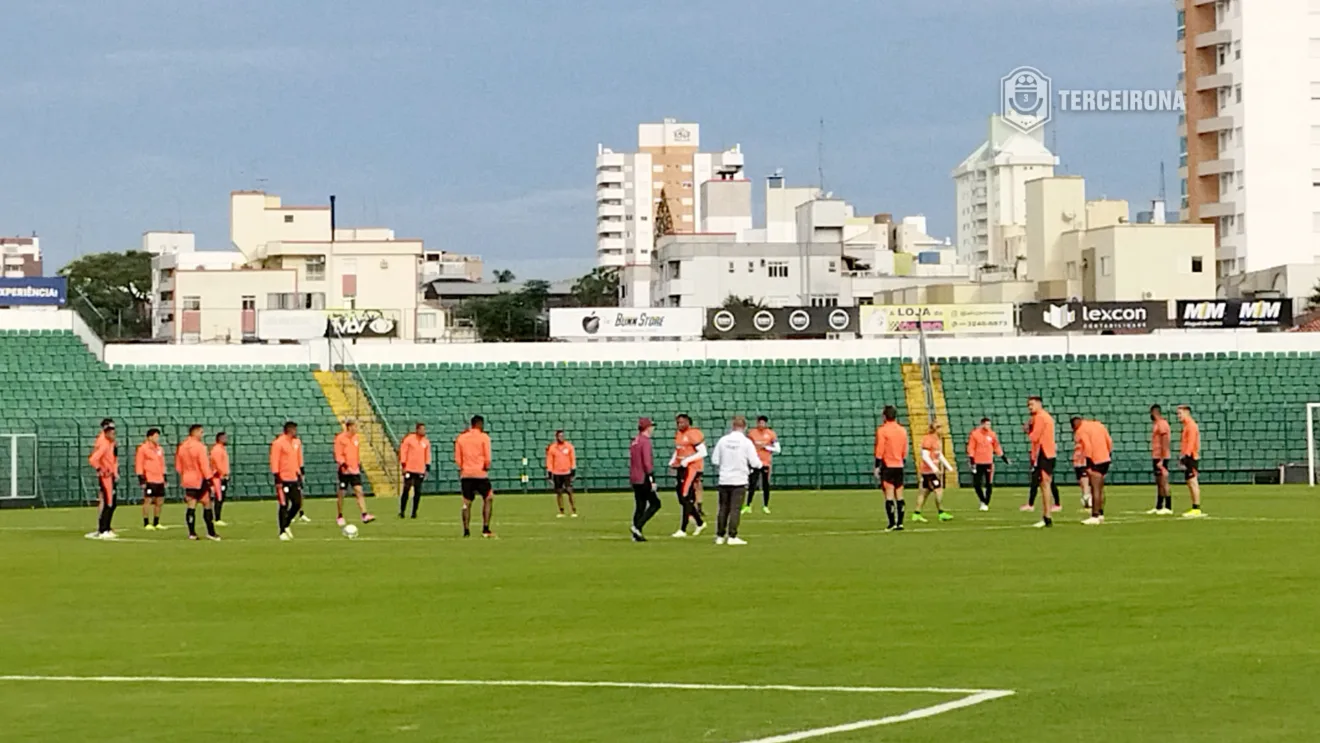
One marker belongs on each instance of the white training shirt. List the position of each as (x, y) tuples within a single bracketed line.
[(736, 456)]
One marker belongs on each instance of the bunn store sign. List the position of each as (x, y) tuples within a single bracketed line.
[(1235, 313), (584, 323), (1093, 317)]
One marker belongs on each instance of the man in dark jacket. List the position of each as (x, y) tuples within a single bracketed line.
[(641, 473)]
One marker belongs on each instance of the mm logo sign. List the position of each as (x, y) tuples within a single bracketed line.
[(1235, 313)]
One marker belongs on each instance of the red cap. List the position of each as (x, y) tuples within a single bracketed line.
[(643, 424)]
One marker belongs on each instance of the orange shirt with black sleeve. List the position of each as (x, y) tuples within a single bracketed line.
[(472, 454), (685, 445), (560, 459), (1189, 444), (348, 453), (891, 444), (415, 454), (193, 464), (286, 458), (149, 463)]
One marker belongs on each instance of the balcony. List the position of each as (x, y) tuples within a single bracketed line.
[(609, 193), (610, 227), (1214, 82), (1216, 210), (1214, 38), (610, 160), (605, 177), (608, 211), (1215, 167), (1216, 124), (609, 244)]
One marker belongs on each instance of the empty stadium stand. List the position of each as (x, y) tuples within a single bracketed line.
[(1251, 406), (824, 410), (52, 386)]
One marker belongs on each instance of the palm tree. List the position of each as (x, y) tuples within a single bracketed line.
[(504, 276), (664, 220), (734, 302)]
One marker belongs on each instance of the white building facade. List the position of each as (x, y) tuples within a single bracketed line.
[(668, 160), (21, 257), (1250, 163), (991, 191)]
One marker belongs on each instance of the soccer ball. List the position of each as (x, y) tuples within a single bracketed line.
[(350, 531)]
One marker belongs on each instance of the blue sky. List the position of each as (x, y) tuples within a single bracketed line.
[(473, 125)]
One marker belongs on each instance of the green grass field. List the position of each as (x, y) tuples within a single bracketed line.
[(1142, 630)]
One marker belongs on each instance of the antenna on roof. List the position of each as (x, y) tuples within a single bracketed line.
[(1163, 194), (820, 155)]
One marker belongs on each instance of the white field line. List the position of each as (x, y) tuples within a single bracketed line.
[(916, 714), (972, 696), (542, 683)]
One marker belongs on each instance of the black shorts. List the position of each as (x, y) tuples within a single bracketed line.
[(153, 490), (1101, 469), (1079, 471), (196, 493), (931, 482), (983, 469), (1156, 464), (1046, 465), (290, 489), (1191, 466), (892, 476), (562, 482), (347, 480), (475, 486)]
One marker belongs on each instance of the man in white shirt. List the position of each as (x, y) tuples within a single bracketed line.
[(735, 456)]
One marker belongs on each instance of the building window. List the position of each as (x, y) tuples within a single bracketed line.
[(825, 301), (1241, 223), (777, 269), (192, 304), (316, 268), (751, 266), (674, 269), (249, 303), (426, 321), (730, 266), (834, 267), (1237, 94), (288, 219), (1072, 270), (1197, 264), (1104, 265)]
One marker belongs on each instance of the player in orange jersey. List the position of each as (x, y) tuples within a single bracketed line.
[(932, 466), (472, 456), (1044, 453), (287, 468), (1097, 449), (149, 464), (1161, 450), (348, 458), (193, 464), (560, 469), (891, 446), (415, 461), (104, 460), (688, 462), (982, 448), (767, 446), (1081, 473), (1189, 455), (220, 479)]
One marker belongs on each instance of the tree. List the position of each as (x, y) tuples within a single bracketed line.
[(664, 221), (504, 276), (600, 288), (510, 316), (734, 302), (112, 292)]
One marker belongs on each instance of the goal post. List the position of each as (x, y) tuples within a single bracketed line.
[(18, 466), (1312, 409)]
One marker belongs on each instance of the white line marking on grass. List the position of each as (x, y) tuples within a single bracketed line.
[(972, 696), (264, 680), (916, 714)]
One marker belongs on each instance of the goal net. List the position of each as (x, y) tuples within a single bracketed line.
[(18, 466)]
